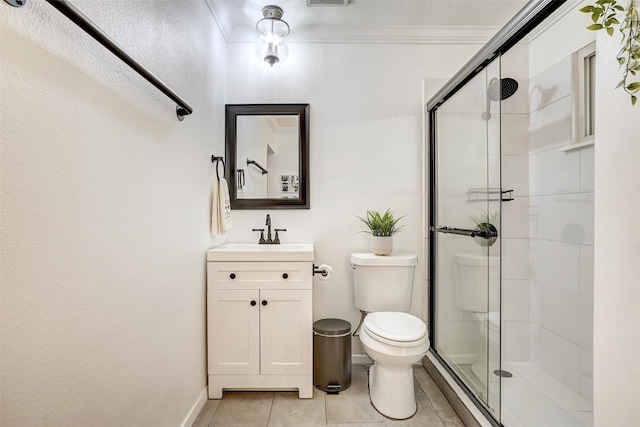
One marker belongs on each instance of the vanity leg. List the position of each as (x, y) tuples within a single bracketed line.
[(214, 391), (305, 392)]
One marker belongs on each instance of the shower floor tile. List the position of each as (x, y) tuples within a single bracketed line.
[(534, 398), (350, 408)]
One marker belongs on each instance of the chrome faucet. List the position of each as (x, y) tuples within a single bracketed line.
[(269, 240)]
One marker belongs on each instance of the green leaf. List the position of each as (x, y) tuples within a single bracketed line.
[(610, 31), (633, 100), (618, 7), (633, 86), (610, 20), (621, 60), (620, 84), (587, 9), (596, 15), (594, 27), (381, 224)]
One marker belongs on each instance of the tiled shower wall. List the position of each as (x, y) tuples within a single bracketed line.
[(561, 224), (515, 227), (547, 230)]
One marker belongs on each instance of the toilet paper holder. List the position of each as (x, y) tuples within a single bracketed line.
[(321, 270)]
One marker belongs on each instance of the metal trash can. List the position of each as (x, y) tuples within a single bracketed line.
[(332, 355)]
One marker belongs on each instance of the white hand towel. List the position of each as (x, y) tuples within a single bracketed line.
[(225, 205), (215, 211), (220, 206)]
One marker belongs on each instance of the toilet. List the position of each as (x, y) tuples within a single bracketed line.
[(472, 296), (392, 338)]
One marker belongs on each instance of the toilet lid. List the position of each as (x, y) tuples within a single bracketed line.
[(395, 326)]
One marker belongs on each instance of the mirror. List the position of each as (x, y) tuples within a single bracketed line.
[(267, 152)]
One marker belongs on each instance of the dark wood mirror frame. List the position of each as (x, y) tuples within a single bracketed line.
[(235, 110)]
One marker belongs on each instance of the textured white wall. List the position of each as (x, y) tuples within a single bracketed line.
[(365, 148), (617, 249), (105, 213)]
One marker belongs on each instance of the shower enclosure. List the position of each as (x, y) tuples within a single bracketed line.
[(511, 228), (465, 234)]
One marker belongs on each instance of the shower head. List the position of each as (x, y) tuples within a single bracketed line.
[(506, 89), (499, 90)]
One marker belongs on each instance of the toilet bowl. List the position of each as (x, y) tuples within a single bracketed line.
[(395, 341), (477, 291), (489, 325)]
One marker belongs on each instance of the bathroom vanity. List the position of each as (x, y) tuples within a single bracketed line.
[(260, 318)]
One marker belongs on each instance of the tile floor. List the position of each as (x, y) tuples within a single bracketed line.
[(350, 408)]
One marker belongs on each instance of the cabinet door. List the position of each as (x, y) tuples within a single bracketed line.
[(233, 331), (286, 323)]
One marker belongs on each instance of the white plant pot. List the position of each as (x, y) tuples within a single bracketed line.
[(382, 245)]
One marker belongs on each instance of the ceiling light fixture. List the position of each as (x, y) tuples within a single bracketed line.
[(271, 46)]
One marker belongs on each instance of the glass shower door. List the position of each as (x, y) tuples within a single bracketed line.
[(465, 229)]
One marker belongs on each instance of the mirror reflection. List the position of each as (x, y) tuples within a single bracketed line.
[(267, 155)]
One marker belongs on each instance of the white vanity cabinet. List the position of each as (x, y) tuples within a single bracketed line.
[(260, 320)]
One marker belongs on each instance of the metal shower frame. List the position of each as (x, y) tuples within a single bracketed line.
[(530, 16)]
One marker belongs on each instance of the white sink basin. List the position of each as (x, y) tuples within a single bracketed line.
[(257, 253)]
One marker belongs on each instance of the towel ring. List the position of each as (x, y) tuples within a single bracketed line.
[(215, 159)]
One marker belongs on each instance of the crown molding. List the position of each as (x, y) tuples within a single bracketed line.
[(376, 35), (221, 17), (356, 35)]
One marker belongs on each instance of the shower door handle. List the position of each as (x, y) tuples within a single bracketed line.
[(485, 234)]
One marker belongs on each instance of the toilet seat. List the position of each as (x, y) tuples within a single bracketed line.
[(395, 328)]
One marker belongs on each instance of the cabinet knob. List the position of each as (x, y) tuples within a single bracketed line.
[(264, 302), (285, 276), (232, 276), (253, 303)]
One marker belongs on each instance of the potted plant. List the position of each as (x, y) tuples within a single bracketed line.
[(485, 222), (382, 228)]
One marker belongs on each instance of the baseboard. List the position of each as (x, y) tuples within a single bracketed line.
[(361, 359), (195, 409)]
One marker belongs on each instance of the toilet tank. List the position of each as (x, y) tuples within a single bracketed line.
[(383, 283), (477, 282)]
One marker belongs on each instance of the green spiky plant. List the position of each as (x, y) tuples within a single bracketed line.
[(605, 14), (385, 224)]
